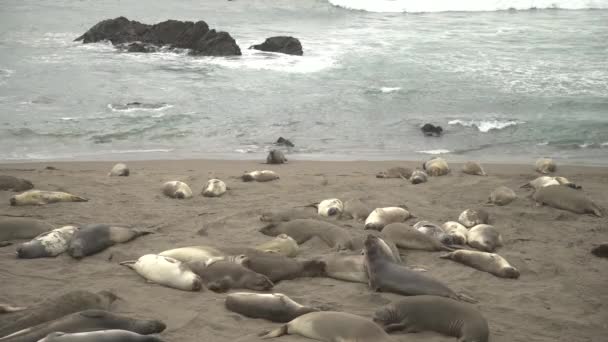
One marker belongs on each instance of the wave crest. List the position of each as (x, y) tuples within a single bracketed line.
[(485, 126)]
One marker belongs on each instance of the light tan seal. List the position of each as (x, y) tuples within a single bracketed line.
[(418, 177), (436, 166), (276, 157), (330, 207), (176, 189), (545, 165), (484, 237), (275, 307), (193, 253), (455, 233), (260, 176), (282, 244), (473, 168), (381, 217), (118, 170), (395, 172), (473, 217), (39, 197), (303, 230), (214, 188), (165, 271), (483, 261), (108, 335), (566, 198), (407, 237), (502, 196)]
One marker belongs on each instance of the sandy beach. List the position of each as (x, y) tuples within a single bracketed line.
[(561, 294)]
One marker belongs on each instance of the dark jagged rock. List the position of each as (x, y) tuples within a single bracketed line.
[(134, 36), (431, 130), (284, 142), (282, 44)]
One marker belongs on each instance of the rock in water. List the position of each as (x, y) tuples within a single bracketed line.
[(282, 44), (173, 33)]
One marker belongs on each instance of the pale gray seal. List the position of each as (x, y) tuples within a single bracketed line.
[(221, 276), (276, 157), (436, 166), (166, 271), (430, 229), (502, 196), (39, 197), (112, 335), (260, 176), (94, 238), (282, 244), (357, 210), (545, 165), (83, 321), (455, 233), (48, 244), (418, 177), (395, 172), (15, 184), (57, 307), (330, 207), (214, 188), (193, 253), (16, 228), (484, 237), (275, 307), (543, 181), (407, 237), (388, 276), (176, 189), (380, 217), (486, 262), (433, 313), (303, 230), (565, 198), (473, 168), (473, 217), (119, 170), (332, 326)]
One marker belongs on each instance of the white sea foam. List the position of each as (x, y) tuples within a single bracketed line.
[(604, 144), (139, 108), (438, 151), (486, 125), (389, 89), (417, 6)]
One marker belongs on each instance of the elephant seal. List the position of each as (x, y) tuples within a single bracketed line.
[(15, 228), (284, 142), (165, 271), (357, 210), (418, 177), (484, 237), (455, 233), (275, 307), (407, 237), (278, 215), (282, 244), (540, 182), (359, 241), (430, 130), (331, 326), (436, 167), (473, 168), (565, 198), (112, 335), (94, 238), (83, 321), (276, 157), (15, 184), (260, 176), (57, 307), (39, 197), (278, 267), (486, 262), (214, 188), (387, 276), (330, 207), (380, 217), (193, 253), (221, 276), (118, 170), (600, 250), (473, 217), (176, 189), (430, 229), (545, 165), (395, 172), (48, 244), (502, 196), (303, 230), (433, 313), (568, 183), (6, 308)]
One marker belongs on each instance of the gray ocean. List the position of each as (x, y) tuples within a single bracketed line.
[(507, 80)]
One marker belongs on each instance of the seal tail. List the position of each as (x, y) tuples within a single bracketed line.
[(6, 308), (78, 199), (282, 330), (5, 243), (597, 211), (446, 256), (128, 263), (465, 298)]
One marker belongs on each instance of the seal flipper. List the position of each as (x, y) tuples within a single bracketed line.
[(5, 243), (128, 263), (6, 308), (465, 298), (282, 330), (78, 199)]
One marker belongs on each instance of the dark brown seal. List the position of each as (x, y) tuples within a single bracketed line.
[(15, 184), (220, 276)]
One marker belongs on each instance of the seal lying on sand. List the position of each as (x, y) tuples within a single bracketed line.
[(56, 307), (94, 238), (357, 210), (418, 176), (39, 197), (282, 244), (436, 167), (15, 228), (407, 237), (165, 271), (473, 217), (260, 176), (484, 237), (565, 198), (330, 207), (275, 307), (395, 172), (303, 230), (473, 168), (433, 313), (221, 276), (502, 196), (193, 253), (47, 244), (113, 335), (214, 188), (332, 326), (385, 275), (543, 181), (430, 229), (276, 157), (545, 165), (83, 321), (278, 267), (380, 217), (455, 233), (278, 215), (176, 189), (119, 169), (15, 184), (486, 262)]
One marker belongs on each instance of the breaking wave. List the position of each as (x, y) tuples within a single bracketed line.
[(486, 125)]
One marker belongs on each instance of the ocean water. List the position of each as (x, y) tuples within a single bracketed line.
[(507, 80)]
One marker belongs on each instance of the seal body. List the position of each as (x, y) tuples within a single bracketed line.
[(303, 230), (94, 238), (282, 244), (13, 228), (356, 209), (436, 167), (214, 188), (600, 250), (332, 326), (330, 207), (347, 267), (407, 237), (276, 157), (284, 142), (502, 196), (83, 321), (165, 271), (431, 130), (277, 267), (484, 237), (395, 172), (486, 262), (473, 168), (418, 176), (119, 169), (177, 189), (380, 217), (260, 176), (15, 184), (39, 197), (222, 275), (566, 198), (540, 182), (432, 313), (473, 217), (275, 307), (193, 253), (278, 215), (112, 335), (455, 233), (545, 165), (430, 229), (47, 244)]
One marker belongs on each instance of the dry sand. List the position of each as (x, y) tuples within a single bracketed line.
[(560, 296)]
